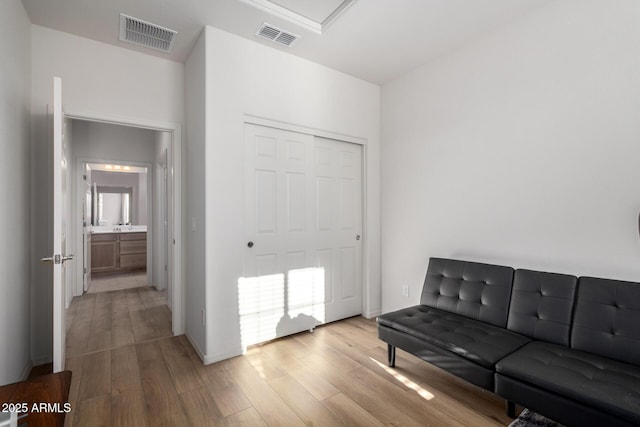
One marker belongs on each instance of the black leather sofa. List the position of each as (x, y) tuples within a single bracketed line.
[(564, 347)]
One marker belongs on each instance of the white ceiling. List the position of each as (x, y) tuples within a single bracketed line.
[(375, 40), (316, 10)]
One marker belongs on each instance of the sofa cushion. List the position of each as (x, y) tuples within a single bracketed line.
[(590, 379), (478, 291), (607, 319), (477, 341), (541, 305)]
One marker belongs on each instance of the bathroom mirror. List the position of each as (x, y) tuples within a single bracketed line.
[(115, 205), (117, 194)]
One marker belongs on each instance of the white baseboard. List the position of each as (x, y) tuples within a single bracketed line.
[(208, 359), (213, 358), (372, 314)]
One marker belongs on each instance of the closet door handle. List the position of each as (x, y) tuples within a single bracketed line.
[(250, 244)]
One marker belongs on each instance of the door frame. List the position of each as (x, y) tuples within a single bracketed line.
[(366, 284), (162, 202), (176, 258)]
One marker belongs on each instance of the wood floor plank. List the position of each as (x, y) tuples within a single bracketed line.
[(77, 338), (383, 400), (150, 323), (128, 407), (355, 337), (265, 367), (284, 350), (183, 372), (144, 328), (121, 330), (214, 375), (350, 412), (73, 364), (247, 418), (125, 370), (96, 375), (332, 361), (315, 384), (164, 408), (94, 412), (229, 399), (99, 340), (201, 409), (134, 300), (268, 404), (308, 408), (100, 336)]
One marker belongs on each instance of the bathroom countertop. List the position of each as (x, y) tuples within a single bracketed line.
[(119, 229)]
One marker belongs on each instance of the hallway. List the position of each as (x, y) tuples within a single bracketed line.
[(108, 320), (103, 331)]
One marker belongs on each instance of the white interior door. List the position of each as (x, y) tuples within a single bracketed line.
[(338, 234), (59, 256), (303, 207)]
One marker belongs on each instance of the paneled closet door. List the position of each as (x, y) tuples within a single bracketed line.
[(302, 264), (338, 225)]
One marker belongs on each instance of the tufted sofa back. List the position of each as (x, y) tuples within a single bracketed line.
[(542, 304), (607, 319), (478, 291)]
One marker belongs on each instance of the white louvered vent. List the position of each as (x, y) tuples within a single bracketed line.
[(269, 32), (143, 33)]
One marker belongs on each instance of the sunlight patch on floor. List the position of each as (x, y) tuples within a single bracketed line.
[(405, 381)]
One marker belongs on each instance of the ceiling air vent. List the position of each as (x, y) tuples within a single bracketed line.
[(269, 32), (143, 33)]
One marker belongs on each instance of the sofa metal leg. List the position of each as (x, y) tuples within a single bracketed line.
[(511, 409), (391, 353)]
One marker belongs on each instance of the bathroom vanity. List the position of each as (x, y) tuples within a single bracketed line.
[(118, 250)]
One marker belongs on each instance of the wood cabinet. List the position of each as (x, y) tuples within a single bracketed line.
[(104, 252), (118, 252)]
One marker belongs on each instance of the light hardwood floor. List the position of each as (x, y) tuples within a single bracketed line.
[(117, 282), (129, 371)]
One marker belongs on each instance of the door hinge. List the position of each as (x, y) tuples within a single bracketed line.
[(84, 270), (84, 177)]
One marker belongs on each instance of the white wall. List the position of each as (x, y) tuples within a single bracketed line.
[(244, 77), (196, 123), (97, 79), (15, 46), (103, 141), (520, 149)]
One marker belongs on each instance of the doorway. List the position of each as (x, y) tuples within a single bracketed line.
[(166, 156)]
